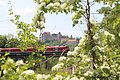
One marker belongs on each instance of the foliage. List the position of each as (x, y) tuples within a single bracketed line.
[(25, 32), (6, 42), (97, 55), (52, 42), (13, 42), (109, 2), (82, 57), (3, 41), (71, 46), (59, 43)]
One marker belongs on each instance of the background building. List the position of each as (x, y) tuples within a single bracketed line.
[(59, 39), (48, 36)]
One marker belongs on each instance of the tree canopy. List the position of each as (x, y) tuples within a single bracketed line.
[(97, 56)]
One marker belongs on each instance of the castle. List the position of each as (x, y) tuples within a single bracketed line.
[(48, 36)]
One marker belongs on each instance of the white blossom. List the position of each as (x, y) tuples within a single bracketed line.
[(5, 71), (69, 53), (68, 59), (63, 0), (56, 4), (17, 70), (94, 48), (88, 73), (67, 78), (72, 53), (102, 49), (116, 64), (77, 49), (28, 72), (39, 77), (47, 76), (62, 58), (82, 78), (58, 77), (84, 56), (81, 55), (109, 34), (10, 60), (42, 4), (82, 41), (75, 15), (97, 79), (81, 67), (21, 78), (19, 62), (118, 72), (71, 7), (104, 66), (96, 36), (43, 77), (106, 33), (88, 59), (51, 5), (74, 78), (57, 67), (93, 21), (41, 0), (63, 6), (112, 66), (119, 34), (68, 1), (113, 37)]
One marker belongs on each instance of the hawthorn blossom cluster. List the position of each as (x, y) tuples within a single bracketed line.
[(30, 73), (82, 41), (59, 77), (42, 77), (19, 62), (10, 60), (75, 52), (109, 34), (56, 6), (62, 59), (104, 34), (88, 73), (57, 67), (71, 53)]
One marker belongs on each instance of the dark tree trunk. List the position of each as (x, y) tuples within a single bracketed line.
[(90, 34)]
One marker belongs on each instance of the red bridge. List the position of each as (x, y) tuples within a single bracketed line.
[(50, 51)]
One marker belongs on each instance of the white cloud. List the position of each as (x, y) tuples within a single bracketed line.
[(3, 2), (24, 11)]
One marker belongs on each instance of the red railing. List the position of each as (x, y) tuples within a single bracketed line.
[(48, 49)]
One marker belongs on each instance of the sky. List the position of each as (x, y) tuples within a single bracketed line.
[(54, 23)]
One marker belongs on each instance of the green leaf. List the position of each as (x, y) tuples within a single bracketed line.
[(6, 54), (116, 56), (47, 1), (117, 22)]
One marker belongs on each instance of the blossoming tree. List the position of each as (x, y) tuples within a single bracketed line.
[(97, 54)]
